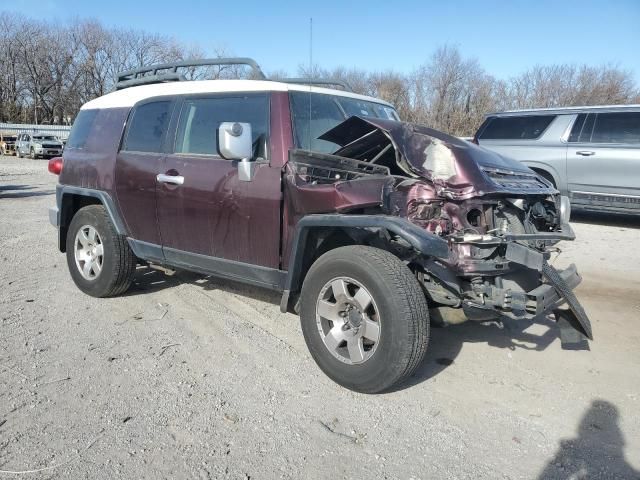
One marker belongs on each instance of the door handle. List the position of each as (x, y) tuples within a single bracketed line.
[(172, 179), (585, 153)]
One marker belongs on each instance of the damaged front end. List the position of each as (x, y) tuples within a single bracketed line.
[(499, 219)]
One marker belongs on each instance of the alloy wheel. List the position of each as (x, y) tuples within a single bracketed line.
[(89, 252), (348, 320)]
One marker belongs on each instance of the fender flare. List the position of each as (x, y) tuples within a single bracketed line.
[(59, 218), (421, 240)]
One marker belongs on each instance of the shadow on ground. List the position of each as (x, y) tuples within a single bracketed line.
[(601, 218), (596, 452), (445, 343), (22, 191)]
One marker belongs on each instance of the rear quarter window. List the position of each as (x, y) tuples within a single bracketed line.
[(147, 127), (526, 127), (81, 128)]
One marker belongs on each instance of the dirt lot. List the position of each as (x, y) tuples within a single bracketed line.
[(193, 377)]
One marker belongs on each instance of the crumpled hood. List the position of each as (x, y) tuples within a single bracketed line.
[(457, 168)]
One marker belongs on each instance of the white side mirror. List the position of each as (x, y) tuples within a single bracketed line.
[(235, 143)]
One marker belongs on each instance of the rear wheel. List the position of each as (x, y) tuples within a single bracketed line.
[(99, 260), (364, 318)]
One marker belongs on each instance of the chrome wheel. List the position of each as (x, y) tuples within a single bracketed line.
[(348, 320), (88, 252)]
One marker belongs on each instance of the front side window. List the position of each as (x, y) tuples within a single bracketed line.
[(314, 114), (529, 127), (621, 127), (147, 127), (200, 118)]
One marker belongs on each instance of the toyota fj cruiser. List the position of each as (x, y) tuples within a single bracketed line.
[(369, 226)]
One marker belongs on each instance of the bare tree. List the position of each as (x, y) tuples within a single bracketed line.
[(47, 71)]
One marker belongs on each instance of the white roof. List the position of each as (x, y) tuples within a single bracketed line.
[(130, 96)]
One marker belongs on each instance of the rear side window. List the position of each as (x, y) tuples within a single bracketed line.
[(81, 128), (516, 128), (576, 130), (147, 127), (622, 127), (582, 128), (200, 119)]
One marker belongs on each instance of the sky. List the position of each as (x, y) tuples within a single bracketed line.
[(506, 37)]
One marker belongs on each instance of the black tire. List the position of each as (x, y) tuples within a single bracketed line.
[(403, 317), (32, 154), (18, 154), (118, 261)]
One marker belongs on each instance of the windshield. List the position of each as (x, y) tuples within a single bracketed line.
[(45, 137), (315, 113)]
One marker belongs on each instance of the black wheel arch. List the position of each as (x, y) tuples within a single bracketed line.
[(71, 199), (317, 234)]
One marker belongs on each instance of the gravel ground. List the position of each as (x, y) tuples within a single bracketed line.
[(193, 377)]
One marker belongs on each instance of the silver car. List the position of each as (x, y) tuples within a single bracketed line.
[(37, 145), (591, 154)]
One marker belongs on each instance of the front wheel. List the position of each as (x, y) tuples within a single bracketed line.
[(32, 154), (364, 318), (99, 260)]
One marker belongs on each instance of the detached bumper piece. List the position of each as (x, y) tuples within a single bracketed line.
[(554, 296), (574, 325), (573, 322)]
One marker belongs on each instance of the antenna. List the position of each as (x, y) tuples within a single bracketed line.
[(310, 71)]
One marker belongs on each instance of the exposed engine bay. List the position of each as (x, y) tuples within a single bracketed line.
[(501, 221)]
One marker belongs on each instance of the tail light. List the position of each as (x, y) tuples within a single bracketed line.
[(55, 165)]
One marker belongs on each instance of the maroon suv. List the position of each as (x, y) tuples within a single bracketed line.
[(367, 225)]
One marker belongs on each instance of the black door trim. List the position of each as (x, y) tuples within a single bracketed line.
[(265, 277)]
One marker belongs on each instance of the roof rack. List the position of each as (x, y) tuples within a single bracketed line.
[(319, 81), (168, 72), (140, 76)]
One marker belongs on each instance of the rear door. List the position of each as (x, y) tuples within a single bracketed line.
[(206, 216), (603, 160), (138, 162)]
